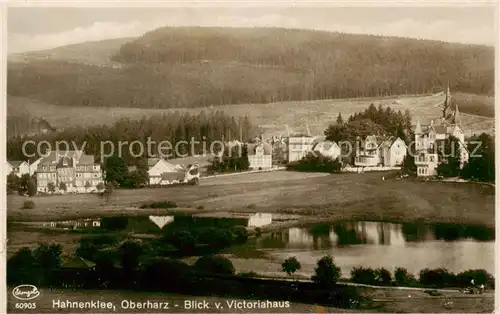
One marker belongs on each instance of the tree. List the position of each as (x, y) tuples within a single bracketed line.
[(116, 170), (340, 120), (48, 260), (63, 187), (326, 273), (13, 183), (31, 187), (130, 253), (449, 153), (21, 267), (51, 187), (23, 184), (244, 164), (409, 166), (290, 265), (100, 186), (481, 164), (136, 179)]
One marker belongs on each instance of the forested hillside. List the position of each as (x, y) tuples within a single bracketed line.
[(196, 67), (199, 132)]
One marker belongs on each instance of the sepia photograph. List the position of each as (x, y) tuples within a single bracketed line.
[(250, 157)]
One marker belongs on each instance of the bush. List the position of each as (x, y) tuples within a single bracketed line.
[(326, 272), (28, 205), (383, 276), (200, 207), (214, 265), (182, 240), (163, 205), (166, 273), (403, 278), (290, 265), (480, 277), (437, 278), (216, 237), (130, 253), (114, 223), (240, 234), (363, 275), (250, 274)]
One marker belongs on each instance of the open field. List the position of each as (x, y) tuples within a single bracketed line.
[(391, 300), (275, 118), (338, 196)]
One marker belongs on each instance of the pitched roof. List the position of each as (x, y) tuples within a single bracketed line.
[(152, 162), (78, 262), (324, 145), (16, 163), (54, 156), (65, 162), (440, 129), (268, 149), (86, 159)]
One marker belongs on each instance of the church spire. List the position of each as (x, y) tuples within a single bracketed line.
[(447, 101), (456, 117), (418, 128)]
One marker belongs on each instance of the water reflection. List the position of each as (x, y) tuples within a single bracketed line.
[(349, 233)]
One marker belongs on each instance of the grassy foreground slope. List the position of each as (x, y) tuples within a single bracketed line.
[(340, 196), (197, 67)]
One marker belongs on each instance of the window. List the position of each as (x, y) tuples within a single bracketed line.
[(431, 158)]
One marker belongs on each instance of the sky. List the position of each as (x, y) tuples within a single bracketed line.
[(38, 28)]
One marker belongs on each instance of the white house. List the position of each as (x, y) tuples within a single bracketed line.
[(393, 152), (18, 167), (431, 138), (160, 171), (34, 165), (299, 146), (260, 156), (380, 151), (327, 149), (368, 153)]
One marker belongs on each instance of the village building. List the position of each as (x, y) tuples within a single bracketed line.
[(260, 156), (17, 167), (68, 171), (429, 139), (161, 172), (299, 146), (377, 151), (328, 149)]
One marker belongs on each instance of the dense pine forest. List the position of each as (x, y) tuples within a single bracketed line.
[(175, 127), (196, 67)]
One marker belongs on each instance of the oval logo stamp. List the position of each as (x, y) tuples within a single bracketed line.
[(25, 292)]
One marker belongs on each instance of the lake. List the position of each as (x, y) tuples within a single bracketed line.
[(351, 243), (379, 244)]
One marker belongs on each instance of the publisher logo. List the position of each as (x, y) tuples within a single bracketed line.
[(25, 292)]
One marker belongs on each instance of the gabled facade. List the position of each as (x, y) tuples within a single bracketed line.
[(260, 156), (380, 151), (430, 138), (328, 149), (78, 172), (18, 167), (299, 146), (161, 172)]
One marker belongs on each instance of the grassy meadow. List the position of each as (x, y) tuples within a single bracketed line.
[(274, 118), (338, 196)]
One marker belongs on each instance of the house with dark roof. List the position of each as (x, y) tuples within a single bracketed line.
[(429, 138), (68, 171)]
